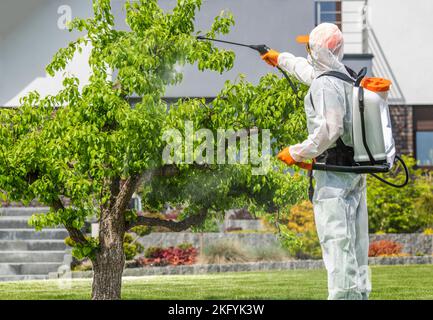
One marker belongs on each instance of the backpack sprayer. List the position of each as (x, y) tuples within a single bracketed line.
[(371, 154)]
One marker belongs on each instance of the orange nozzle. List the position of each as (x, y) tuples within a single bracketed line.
[(303, 39), (376, 84)]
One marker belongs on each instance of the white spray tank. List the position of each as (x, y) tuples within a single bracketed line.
[(372, 112)]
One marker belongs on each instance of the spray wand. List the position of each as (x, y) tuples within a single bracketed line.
[(260, 48)]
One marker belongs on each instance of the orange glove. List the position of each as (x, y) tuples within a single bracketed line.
[(271, 57), (286, 157)]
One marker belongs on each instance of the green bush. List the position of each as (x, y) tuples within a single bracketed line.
[(142, 231), (130, 247), (298, 231), (406, 210)]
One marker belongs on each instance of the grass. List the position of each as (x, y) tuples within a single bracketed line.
[(389, 282)]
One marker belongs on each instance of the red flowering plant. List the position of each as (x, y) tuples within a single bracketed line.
[(181, 255), (385, 248)]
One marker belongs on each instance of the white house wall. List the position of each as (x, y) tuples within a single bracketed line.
[(352, 25), (401, 40), (29, 45)]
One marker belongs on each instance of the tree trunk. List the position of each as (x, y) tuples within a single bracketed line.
[(109, 261)]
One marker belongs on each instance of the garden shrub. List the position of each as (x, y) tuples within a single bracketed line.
[(181, 255), (142, 231), (385, 248), (268, 253), (428, 231), (225, 251), (230, 251), (406, 210), (131, 247), (300, 221)]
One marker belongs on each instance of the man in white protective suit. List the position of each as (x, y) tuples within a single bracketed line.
[(340, 205)]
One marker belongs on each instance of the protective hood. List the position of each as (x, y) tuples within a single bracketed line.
[(327, 48)]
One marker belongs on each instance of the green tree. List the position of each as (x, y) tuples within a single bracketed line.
[(84, 152)]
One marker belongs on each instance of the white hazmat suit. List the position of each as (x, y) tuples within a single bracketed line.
[(340, 205)]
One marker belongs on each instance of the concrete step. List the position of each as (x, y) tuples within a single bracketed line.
[(22, 211), (24, 277), (35, 245), (31, 256), (30, 234), (36, 268), (15, 223)]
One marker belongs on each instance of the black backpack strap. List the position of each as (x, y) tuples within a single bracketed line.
[(341, 151), (351, 72), (338, 75), (340, 143)]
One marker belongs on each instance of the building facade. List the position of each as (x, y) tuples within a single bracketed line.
[(388, 36)]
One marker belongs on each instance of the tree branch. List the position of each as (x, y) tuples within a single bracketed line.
[(76, 235), (114, 190), (188, 222), (125, 194)]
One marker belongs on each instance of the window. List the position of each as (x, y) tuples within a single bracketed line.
[(423, 126), (424, 148), (328, 11)]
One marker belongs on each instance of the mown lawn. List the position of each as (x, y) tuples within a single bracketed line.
[(389, 282)]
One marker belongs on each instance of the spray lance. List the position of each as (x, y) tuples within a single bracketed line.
[(262, 49)]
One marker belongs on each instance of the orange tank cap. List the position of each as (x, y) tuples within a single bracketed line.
[(376, 84)]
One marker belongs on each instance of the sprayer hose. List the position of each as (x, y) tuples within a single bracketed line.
[(406, 170)]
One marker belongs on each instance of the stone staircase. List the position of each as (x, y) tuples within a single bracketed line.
[(24, 253)]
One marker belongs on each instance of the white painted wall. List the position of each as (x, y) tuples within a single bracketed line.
[(28, 46), (352, 25), (401, 40)]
